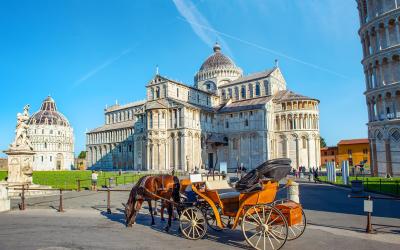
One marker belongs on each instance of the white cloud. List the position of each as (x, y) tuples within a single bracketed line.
[(102, 66), (188, 10)]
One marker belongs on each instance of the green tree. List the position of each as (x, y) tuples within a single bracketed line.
[(82, 155), (322, 141)]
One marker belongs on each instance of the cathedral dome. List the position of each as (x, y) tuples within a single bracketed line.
[(217, 69), (217, 60), (48, 115)]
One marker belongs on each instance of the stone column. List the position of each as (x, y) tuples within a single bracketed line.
[(389, 169), (176, 151), (397, 28), (183, 152), (166, 154), (377, 41), (374, 163), (381, 75), (308, 153), (317, 151), (297, 152), (388, 43), (158, 157), (178, 117), (147, 156)]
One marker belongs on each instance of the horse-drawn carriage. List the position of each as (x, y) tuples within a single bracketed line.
[(265, 222)]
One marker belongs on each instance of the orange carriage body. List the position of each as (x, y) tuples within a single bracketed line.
[(292, 212), (235, 206)]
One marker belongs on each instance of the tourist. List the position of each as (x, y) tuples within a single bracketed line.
[(316, 176), (94, 180)]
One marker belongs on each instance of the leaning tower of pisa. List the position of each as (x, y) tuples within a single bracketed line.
[(380, 39)]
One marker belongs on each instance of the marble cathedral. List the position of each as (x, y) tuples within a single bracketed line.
[(224, 117)]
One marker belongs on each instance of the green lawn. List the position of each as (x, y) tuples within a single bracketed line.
[(385, 185), (68, 179), (3, 175)]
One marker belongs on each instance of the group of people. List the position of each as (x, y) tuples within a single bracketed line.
[(302, 169)]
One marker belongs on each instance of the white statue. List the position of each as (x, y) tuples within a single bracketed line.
[(22, 140)]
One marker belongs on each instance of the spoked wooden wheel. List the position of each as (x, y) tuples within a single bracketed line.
[(264, 227), (212, 221), (193, 223), (296, 230)]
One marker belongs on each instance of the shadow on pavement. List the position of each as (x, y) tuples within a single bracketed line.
[(233, 238)]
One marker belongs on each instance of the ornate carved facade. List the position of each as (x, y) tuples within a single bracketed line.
[(380, 38), (224, 117)]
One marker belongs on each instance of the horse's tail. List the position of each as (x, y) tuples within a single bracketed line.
[(175, 191)]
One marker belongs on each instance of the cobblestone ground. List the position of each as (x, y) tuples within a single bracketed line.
[(335, 222)]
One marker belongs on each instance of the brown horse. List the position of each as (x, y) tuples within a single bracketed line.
[(152, 188)]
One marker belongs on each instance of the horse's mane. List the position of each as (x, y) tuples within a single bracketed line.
[(132, 194)]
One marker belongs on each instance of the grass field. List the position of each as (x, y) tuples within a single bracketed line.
[(68, 179), (384, 185)]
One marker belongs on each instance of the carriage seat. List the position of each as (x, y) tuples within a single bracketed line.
[(228, 195), (225, 191)]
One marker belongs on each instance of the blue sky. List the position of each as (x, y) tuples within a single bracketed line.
[(90, 53)]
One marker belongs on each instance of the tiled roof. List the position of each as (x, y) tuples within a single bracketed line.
[(48, 115), (119, 125), (255, 103), (288, 95), (192, 105), (251, 77), (128, 105), (354, 141)]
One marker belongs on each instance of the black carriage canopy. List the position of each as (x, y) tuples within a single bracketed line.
[(275, 169)]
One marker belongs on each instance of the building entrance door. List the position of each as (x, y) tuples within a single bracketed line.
[(58, 165), (210, 160)]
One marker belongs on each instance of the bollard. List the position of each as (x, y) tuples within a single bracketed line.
[(293, 192), (79, 185), (116, 181), (60, 208), (124, 180), (108, 201), (22, 206), (368, 208)]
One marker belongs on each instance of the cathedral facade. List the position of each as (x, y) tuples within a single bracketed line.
[(380, 39), (224, 117)]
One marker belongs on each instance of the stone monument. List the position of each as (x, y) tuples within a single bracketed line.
[(20, 154), (4, 198)]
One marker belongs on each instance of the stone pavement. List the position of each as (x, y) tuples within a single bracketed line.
[(335, 222)]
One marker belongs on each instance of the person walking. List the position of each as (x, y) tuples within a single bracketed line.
[(94, 180)]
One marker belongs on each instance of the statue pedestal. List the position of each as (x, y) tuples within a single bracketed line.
[(20, 171), (4, 198), (20, 163)]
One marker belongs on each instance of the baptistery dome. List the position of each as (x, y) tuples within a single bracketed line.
[(52, 138), (48, 115), (218, 69)]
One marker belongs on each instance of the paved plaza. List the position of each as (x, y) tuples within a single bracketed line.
[(335, 222)]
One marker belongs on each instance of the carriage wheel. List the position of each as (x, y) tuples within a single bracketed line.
[(192, 223), (264, 227), (295, 231), (212, 221)]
